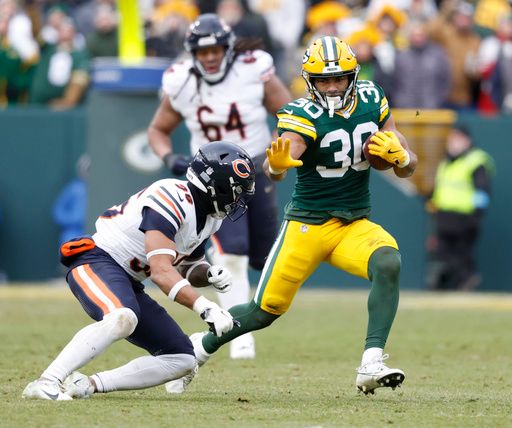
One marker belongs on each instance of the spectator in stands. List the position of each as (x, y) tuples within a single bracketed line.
[(487, 14), (501, 80), (324, 19), (84, 14), (285, 20), (15, 75), (423, 76), (19, 31), (493, 48), (55, 17), (244, 22), (386, 28), (453, 29), (363, 43), (61, 77), (168, 26), (103, 40), (460, 198)]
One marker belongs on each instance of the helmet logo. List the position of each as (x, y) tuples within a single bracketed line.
[(237, 163), (305, 57)]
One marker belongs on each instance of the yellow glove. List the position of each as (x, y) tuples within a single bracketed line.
[(387, 146), (279, 159)]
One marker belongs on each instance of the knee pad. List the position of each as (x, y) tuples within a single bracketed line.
[(385, 261), (122, 322)]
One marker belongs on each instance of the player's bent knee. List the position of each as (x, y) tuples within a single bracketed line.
[(385, 261), (275, 305), (177, 365), (123, 322)]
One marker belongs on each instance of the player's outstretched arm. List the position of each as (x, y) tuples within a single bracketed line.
[(161, 253), (283, 154)]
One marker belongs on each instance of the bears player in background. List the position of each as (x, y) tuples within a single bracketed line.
[(224, 92), (159, 233), (327, 218)]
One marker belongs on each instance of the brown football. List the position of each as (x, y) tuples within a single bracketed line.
[(375, 161)]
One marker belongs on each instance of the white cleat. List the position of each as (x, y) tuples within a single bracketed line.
[(45, 389), (178, 386), (242, 347), (78, 385), (376, 374)]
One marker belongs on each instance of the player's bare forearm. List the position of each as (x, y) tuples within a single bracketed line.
[(165, 120), (159, 142), (410, 168)]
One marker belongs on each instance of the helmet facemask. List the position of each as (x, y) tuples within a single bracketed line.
[(330, 57), (231, 202), (224, 67), (225, 174), (207, 31)]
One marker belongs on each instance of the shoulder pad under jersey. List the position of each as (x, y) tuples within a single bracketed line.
[(175, 76), (171, 199), (260, 63), (299, 116)]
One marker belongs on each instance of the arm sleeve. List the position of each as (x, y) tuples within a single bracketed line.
[(151, 220)]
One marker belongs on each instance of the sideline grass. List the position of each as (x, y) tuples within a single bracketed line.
[(456, 351)]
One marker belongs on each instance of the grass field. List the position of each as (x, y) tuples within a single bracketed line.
[(455, 349)]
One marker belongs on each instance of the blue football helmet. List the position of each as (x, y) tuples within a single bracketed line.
[(226, 174)]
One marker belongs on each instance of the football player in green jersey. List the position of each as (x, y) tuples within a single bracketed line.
[(327, 218)]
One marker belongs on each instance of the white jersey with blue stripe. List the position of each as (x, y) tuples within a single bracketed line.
[(117, 230)]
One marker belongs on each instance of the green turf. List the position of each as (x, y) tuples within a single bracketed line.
[(456, 351)]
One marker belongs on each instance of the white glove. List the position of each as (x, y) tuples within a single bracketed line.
[(220, 278), (219, 320)]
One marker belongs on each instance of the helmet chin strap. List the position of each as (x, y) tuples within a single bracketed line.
[(332, 103)]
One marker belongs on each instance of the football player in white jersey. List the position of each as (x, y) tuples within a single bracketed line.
[(225, 92), (159, 233)]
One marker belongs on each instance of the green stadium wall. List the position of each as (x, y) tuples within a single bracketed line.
[(40, 149)]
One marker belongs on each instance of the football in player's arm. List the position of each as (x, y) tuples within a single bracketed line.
[(322, 136), (159, 233)]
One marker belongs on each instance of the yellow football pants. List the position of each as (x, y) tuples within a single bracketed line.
[(300, 248)]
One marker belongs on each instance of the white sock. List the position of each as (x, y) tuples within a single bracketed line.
[(370, 355), (240, 290), (90, 342), (144, 372)]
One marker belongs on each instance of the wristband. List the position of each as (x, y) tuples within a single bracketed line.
[(406, 161), (275, 171), (161, 251), (176, 288), (201, 304)]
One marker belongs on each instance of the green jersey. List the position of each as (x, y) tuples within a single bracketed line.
[(334, 178)]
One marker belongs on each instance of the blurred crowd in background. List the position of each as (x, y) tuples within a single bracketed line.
[(426, 54)]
